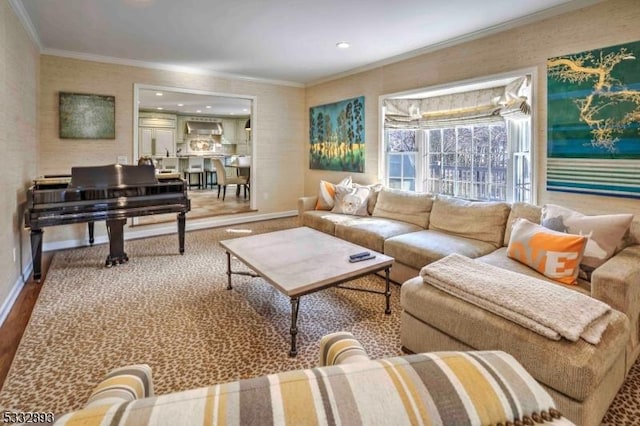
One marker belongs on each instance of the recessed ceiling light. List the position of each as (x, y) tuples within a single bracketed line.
[(158, 93), (160, 108), (180, 104), (343, 45), (245, 110), (198, 110), (208, 106), (231, 113)]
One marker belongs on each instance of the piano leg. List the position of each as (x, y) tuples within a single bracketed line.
[(116, 242), (90, 225), (181, 225), (36, 253)]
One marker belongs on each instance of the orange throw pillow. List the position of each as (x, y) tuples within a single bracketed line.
[(554, 254)]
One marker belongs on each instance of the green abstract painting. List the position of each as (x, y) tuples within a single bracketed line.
[(336, 134), (84, 116), (593, 114)]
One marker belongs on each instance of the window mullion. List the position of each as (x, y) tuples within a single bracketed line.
[(492, 182)]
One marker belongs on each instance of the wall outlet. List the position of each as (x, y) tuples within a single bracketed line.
[(14, 255), (122, 159)]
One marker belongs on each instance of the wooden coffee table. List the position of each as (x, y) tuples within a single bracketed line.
[(300, 261)]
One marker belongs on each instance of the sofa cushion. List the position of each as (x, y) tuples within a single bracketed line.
[(420, 248), (525, 210), (371, 232), (572, 368), (554, 254), (499, 258), (322, 220), (484, 221), (411, 207)]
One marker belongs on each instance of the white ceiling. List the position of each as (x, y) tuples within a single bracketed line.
[(287, 41), (177, 101)]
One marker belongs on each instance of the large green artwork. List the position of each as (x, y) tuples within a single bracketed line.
[(86, 116), (593, 119), (336, 133)]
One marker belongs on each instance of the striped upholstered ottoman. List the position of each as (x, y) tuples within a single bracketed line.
[(449, 388)]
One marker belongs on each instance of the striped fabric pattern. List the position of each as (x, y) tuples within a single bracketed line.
[(123, 384), (461, 388), (341, 348), (617, 177)]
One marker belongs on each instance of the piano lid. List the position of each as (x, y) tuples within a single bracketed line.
[(113, 175)]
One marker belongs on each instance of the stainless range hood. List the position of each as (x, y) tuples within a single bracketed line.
[(204, 128)]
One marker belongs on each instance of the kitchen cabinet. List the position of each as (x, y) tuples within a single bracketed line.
[(156, 134), (145, 141), (228, 131), (156, 141)]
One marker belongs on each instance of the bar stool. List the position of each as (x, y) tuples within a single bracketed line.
[(195, 167), (210, 176), (169, 165)]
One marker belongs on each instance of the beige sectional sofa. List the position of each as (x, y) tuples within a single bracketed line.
[(417, 229)]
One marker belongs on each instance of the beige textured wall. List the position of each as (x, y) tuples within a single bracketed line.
[(604, 24), (18, 140), (279, 127)]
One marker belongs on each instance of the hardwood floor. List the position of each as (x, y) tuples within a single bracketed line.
[(13, 328)]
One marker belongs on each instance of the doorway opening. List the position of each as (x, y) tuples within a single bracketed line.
[(186, 132)]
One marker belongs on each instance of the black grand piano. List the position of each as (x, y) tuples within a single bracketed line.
[(111, 193)]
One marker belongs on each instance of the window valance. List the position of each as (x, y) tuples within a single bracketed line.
[(480, 105)]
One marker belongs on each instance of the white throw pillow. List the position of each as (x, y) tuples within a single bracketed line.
[(604, 232), (375, 189), (352, 201), (327, 193)]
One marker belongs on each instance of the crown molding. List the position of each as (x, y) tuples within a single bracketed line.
[(164, 67), (531, 18), (24, 19), (514, 23)]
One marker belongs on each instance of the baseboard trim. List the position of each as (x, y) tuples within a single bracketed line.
[(17, 287), (171, 228)]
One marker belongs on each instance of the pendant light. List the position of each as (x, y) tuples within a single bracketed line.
[(247, 125)]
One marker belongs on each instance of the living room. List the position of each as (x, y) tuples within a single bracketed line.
[(32, 79)]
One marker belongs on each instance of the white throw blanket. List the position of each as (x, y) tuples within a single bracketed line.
[(548, 309)]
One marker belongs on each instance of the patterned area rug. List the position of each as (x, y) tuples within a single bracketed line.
[(174, 313)]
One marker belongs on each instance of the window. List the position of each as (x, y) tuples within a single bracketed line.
[(467, 162), (483, 155), (402, 156)]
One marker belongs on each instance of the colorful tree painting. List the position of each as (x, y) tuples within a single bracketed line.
[(336, 136), (593, 113)]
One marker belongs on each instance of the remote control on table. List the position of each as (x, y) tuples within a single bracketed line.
[(359, 255), (360, 259)]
